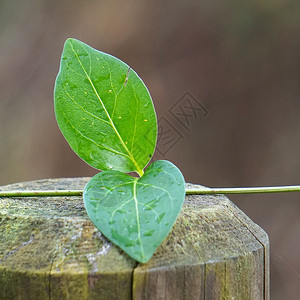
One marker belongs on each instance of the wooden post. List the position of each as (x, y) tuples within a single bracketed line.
[(49, 249)]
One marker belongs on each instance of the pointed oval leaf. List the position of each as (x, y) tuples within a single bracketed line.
[(136, 213), (104, 109)]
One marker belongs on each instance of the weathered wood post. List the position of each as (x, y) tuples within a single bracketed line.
[(50, 250)]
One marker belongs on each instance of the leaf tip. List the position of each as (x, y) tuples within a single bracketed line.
[(69, 40)]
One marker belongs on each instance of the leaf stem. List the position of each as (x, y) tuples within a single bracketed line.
[(244, 190), (140, 172), (195, 191), (38, 193)]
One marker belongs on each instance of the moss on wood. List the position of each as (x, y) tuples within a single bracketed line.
[(49, 249)]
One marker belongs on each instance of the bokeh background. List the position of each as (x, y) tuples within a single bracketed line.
[(239, 59)]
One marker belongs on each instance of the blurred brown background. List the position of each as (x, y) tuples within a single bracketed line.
[(239, 59)]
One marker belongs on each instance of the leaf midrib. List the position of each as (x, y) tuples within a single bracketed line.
[(137, 216), (138, 169)]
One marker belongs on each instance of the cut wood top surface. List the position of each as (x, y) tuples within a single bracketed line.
[(54, 235), (208, 229)]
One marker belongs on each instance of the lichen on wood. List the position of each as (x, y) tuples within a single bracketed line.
[(49, 249)]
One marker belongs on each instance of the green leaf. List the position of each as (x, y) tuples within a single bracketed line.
[(136, 213), (104, 110)]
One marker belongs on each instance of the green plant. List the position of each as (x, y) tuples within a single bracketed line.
[(106, 114)]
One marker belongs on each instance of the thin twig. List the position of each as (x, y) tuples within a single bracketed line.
[(194, 191)]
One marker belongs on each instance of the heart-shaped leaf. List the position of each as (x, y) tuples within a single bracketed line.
[(104, 109), (136, 213)]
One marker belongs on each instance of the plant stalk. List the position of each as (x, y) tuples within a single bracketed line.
[(38, 193), (244, 190), (195, 191)]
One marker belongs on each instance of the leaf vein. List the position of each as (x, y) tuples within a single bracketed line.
[(135, 117), (160, 188), (119, 207), (138, 169), (82, 75), (81, 107), (138, 218), (92, 141)]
